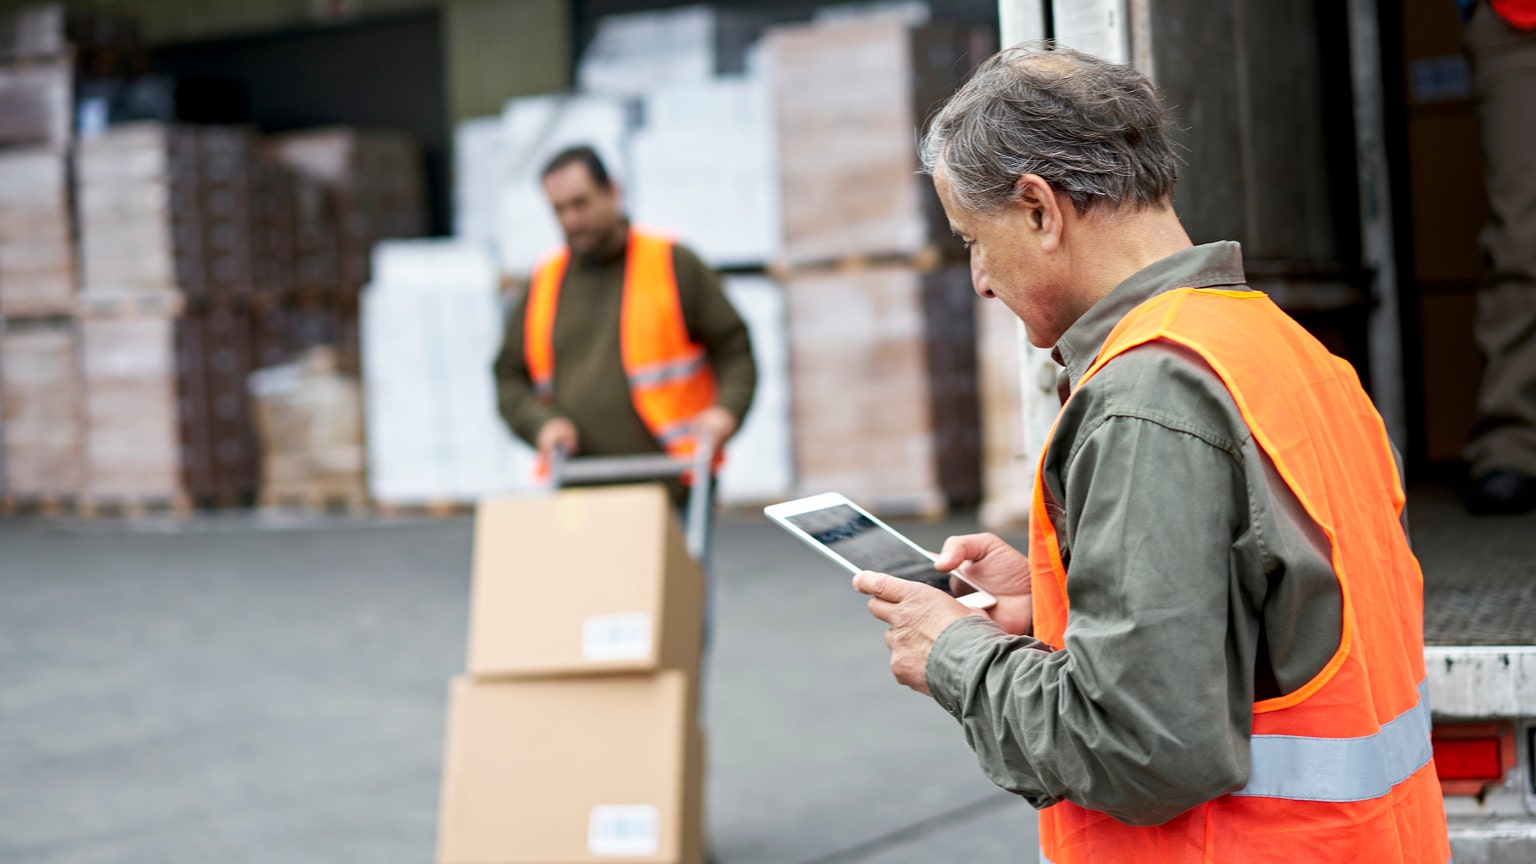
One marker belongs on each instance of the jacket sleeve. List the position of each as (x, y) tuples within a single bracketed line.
[(515, 394), (1140, 716), (715, 324)]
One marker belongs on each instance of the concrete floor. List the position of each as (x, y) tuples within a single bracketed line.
[(262, 688), (269, 689)]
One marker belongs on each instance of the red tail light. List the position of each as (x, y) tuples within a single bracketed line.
[(1470, 757)]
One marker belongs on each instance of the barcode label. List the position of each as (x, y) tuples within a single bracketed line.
[(624, 829), (616, 637)]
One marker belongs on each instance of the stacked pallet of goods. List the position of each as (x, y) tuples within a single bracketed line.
[(882, 322)]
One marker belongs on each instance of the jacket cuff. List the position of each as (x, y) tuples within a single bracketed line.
[(951, 661)]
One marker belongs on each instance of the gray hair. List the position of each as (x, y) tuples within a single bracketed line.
[(1095, 131)]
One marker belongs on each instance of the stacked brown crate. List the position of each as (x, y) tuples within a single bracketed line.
[(882, 331)]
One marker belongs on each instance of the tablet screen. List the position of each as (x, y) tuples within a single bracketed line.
[(866, 545)]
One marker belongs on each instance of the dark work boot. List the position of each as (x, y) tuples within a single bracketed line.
[(1502, 492)]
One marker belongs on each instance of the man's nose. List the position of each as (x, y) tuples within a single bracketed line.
[(979, 282)]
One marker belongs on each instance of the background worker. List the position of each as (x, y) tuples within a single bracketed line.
[(1501, 454), (1213, 650), (625, 342)]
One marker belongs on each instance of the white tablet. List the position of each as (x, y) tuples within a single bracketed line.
[(844, 532)]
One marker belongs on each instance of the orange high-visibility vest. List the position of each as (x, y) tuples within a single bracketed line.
[(670, 379), (1342, 768)]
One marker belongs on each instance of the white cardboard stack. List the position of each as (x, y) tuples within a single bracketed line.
[(432, 322), (536, 129), (480, 154), (630, 54), (705, 168), (759, 465)]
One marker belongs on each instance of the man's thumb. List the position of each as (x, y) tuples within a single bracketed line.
[(877, 585)]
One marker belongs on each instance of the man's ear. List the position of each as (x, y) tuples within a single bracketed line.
[(1042, 208)]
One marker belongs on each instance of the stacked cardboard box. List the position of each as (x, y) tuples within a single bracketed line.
[(884, 381), (37, 262), (852, 96), (40, 390), (42, 51), (39, 387), (132, 412), (142, 253), (574, 737), (37, 101), (140, 234)]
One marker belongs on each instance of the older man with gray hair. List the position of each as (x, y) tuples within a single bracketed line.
[(1213, 649)]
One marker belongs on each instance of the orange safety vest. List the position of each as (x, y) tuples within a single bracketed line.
[(670, 379), (1342, 768)]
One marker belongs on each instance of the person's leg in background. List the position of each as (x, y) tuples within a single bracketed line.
[(1501, 454)]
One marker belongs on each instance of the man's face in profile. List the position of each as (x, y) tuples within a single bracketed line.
[(588, 211)]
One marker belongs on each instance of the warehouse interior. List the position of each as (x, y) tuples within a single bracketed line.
[(255, 261)]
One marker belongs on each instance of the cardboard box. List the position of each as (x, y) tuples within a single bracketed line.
[(573, 771), (40, 391), (583, 582)]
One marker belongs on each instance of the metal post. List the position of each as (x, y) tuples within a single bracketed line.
[(1384, 332), (699, 501)]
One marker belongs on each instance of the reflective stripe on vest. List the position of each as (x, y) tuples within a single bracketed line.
[(670, 380), (1341, 769)]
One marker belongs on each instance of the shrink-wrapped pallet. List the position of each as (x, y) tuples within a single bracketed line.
[(309, 420), (432, 323), (704, 168), (759, 465)]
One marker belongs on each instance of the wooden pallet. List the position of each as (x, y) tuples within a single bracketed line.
[(169, 303), (435, 509), (314, 501), (46, 506), (132, 507)]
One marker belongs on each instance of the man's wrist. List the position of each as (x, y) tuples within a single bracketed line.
[(953, 656)]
